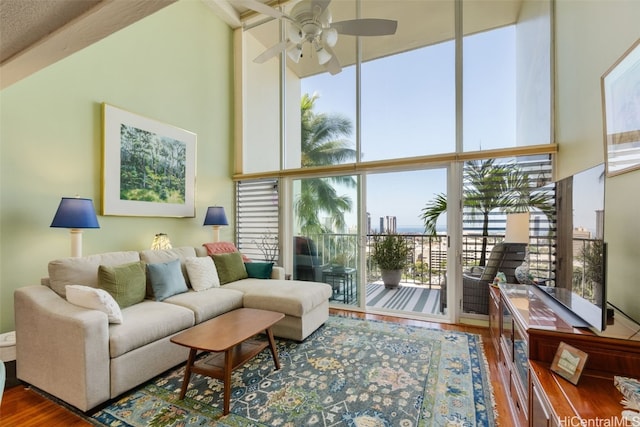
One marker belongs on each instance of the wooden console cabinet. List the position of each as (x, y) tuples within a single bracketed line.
[(526, 332)]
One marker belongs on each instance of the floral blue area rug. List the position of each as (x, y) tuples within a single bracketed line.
[(349, 372)]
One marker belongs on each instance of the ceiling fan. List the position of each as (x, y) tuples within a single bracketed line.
[(310, 21)]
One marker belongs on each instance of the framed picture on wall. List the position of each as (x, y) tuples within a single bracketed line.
[(621, 111), (148, 167)]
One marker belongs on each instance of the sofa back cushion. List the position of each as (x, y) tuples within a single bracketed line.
[(84, 270), (126, 283)]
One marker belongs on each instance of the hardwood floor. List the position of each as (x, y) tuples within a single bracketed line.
[(24, 407)]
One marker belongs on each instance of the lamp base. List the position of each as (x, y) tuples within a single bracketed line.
[(76, 242), (522, 274)]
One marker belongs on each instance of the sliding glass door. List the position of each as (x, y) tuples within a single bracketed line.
[(395, 205), (325, 234)]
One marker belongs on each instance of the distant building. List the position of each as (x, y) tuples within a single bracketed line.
[(388, 225), (580, 235)]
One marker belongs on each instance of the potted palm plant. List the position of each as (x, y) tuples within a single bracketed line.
[(390, 254)]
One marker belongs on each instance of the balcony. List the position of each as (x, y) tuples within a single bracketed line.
[(424, 275)]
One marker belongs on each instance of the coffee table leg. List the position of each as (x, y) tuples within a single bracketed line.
[(227, 380), (272, 347), (187, 372)]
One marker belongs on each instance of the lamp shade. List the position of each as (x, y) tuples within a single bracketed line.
[(74, 212), (215, 216), (517, 230)]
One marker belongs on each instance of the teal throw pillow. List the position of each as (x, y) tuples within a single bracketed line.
[(230, 267), (126, 283), (259, 270), (166, 279)]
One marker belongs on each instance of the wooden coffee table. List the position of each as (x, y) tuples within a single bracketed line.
[(228, 335)]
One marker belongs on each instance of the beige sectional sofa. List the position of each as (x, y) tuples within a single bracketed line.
[(78, 356)]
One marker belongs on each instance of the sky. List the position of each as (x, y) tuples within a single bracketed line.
[(408, 109)]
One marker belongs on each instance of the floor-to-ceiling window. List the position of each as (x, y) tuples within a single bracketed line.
[(408, 89), (392, 107)]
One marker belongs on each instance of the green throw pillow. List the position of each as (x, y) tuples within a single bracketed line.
[(230, 267), (259, 270), (166, 279), (126, 283)]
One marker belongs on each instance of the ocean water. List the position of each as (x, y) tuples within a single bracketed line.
[(418, 229)]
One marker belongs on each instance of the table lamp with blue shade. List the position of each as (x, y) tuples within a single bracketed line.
[(216, 217), (75, 213)]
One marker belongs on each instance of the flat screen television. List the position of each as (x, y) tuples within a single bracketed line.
[(580, 275)]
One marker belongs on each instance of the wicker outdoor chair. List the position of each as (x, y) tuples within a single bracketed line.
[(504, 257)]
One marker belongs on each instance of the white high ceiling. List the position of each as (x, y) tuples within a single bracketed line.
[(420, 23), (37, 33)]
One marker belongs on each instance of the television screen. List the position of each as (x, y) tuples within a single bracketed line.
[(581, 250)]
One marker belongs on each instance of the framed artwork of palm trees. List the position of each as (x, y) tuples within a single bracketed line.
[(148, 167), (621, 110)]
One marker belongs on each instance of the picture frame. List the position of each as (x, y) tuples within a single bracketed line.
[(148, 167), (569, 362), (620, 87)]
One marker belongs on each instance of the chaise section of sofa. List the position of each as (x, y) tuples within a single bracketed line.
[(304, 304), (75, 354)]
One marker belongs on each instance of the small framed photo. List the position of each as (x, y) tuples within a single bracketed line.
[(569, 362), (149, 167)]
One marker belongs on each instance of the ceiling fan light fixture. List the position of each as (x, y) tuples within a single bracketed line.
[(323, 55), (295, 34), (295, 53), (329, 37)]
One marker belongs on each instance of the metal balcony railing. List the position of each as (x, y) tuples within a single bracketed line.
[(427, 258)]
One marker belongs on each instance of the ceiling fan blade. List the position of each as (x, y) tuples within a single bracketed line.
[(333, 66), (319, 6), (255, 5), (272, 51), (366, 27)]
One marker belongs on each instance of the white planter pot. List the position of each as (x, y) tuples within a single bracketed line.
[(391, 278)]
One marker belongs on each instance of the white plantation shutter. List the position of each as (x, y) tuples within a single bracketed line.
[(257, 219)]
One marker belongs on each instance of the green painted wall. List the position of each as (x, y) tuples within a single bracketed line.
[(590, 37), (174, 66)]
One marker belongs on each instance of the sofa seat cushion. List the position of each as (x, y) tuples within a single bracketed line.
[(291, 297), (146, 322), (209, 303)]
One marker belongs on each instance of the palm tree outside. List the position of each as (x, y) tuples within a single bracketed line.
[(324, 141), (489, 186)]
